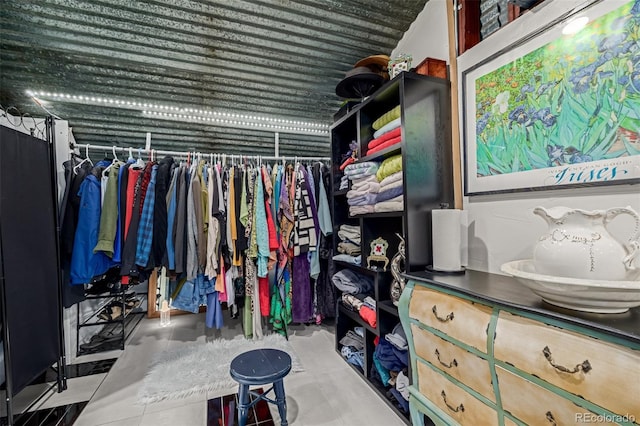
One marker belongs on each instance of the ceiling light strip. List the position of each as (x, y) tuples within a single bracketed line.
[(233, 123), (201, 114)]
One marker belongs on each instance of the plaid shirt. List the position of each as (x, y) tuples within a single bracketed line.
[(145, 229)]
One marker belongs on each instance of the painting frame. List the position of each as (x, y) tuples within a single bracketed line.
[(515, 142)]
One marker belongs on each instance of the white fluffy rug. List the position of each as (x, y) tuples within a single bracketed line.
[(201, 367)]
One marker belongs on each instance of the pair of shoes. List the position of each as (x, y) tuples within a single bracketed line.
[(111, 312), (100, 340)]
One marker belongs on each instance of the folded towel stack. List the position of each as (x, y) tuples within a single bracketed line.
[(344, 182), (361, 170), (349, 245), (390, 195), (364, 187), (387, 136)]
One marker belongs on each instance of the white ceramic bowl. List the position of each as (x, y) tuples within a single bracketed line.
[(600, 296)]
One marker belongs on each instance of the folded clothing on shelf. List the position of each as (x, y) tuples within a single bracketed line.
[(348, 248), (367, 186), (365, 209), (391, 358), (353, 339), (352, 301), (389, 166), (386, 118), (384, 138), (393, 205), (352, 282), (394, 124), (356, 260), (349, 233), (389, 194), (391, 179), (384, 145), (397, 338), (370, 302), (358, 170), (362, 200), (363, 180), (353, 357), (369, 315), (344, 182)]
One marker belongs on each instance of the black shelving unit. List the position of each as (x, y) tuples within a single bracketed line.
[(120, 328), (427, 184)]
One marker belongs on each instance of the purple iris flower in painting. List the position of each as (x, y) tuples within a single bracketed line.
[(527, 88), (578, 157), (518, 115), (545, 116), (581, 78), (609, 43), (555, 153), (635, 10), (482, 123)]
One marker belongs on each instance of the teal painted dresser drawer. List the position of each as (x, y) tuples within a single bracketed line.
[(600, 372), (460, 319), (449, 398), (468, 368), (535, 405)]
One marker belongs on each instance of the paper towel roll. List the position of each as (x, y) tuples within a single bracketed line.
[(446, 240)]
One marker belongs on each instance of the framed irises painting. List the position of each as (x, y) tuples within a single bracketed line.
[(559, 108)]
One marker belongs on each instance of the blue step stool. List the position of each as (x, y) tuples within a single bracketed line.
[(261, 367)]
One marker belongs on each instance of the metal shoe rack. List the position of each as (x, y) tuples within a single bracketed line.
[(115, 332)]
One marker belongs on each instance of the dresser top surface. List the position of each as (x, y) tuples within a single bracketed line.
[(506, 291)]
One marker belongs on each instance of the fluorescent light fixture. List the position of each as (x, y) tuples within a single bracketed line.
[(575, 25), (183, 113)]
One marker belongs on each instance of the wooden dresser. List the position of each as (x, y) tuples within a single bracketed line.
[(487, 351)]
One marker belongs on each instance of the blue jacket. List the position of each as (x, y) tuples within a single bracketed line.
[(85, 264)]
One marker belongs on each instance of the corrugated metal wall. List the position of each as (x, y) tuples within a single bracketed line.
[(274, 58)]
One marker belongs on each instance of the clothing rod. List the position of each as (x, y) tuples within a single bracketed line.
[(186, 153)]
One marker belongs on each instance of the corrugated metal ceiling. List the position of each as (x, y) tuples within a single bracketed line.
[(272, 58)]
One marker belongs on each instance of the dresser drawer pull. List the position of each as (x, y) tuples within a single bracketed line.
[(550, 418), (445, 319), (454, 409), (453, 363), (584, 366)]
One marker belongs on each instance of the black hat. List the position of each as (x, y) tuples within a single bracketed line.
[(359, 82)]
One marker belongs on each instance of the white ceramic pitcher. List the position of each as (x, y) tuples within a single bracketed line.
[(578, 245)]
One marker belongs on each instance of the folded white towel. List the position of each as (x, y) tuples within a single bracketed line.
[(392, 178), (390, 185), (392, 205)]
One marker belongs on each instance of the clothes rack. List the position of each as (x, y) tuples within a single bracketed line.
[(193, 154)]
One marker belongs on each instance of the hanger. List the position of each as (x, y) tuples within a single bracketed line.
[(85, 160), (114, 161), (130, 154)]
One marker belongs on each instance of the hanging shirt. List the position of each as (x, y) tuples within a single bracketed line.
[(304, 230), (324, 212), (145, 229), (192, 228), (109, 214), (181, 222), (118, 242), (260, 224), (172, 202), (213, 231), (159, 256), (85, 264)]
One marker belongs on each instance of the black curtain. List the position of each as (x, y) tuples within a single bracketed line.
[(28, 257)]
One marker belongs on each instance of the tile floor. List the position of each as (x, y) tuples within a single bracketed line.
[(328, 392)]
